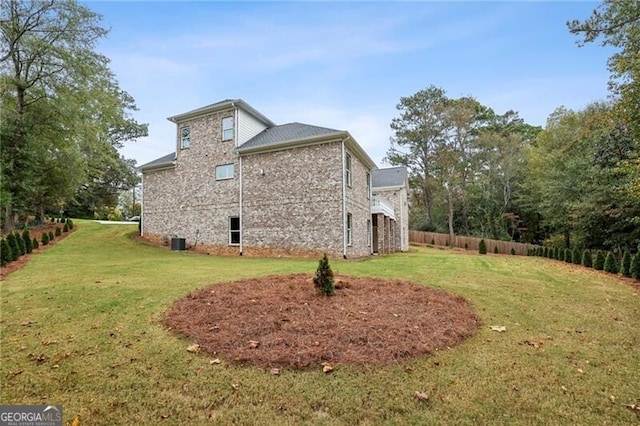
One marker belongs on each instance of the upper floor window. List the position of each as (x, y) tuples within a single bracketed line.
[(227, 128), (185, 137), (347, 174), (368, 185), (224, 171)]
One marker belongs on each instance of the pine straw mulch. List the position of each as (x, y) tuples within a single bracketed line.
[(280, 321)]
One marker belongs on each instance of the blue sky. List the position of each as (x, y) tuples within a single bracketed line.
[(345, 65)]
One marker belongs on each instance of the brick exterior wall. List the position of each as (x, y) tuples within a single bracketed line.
[(291, 199), (399, 200), (188, 200)]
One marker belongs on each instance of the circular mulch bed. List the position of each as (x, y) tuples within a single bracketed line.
[(280, 321)]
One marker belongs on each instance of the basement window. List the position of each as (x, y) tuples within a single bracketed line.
[(234, 231)]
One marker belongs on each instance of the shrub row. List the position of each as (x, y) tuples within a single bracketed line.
[(604, 261), (482, 248), (18, 244)]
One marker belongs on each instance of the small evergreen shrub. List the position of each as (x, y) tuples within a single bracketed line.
[(13, 245), (466, 246), (586, 259), (53, 220), (433, 242), (58, 231), (70, 223), (513, 251), (495, 249), (323, 280), (635, 266), (50, 235), (63, 220), (610, 264), (482, 247), (567, 255), (27, 240), (599, 262), (545, 252), (21, 245), (576, 256), (5, 252), (34, 244), (65, 228), (44, 239), (552, 253), (625, 266)]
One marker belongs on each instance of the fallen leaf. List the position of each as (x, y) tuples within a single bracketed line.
[(75, 421), (612, 398), (421, 396), (253, 344), (215, 361), (633, 407), (327, 368), (275, 371), (165, 416), (235, 385), (532, 343), (193, 348), (499, 328)]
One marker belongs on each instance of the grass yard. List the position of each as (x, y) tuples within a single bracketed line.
[(81, 327)]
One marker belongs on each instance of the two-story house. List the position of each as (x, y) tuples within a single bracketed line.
[(240, 184)]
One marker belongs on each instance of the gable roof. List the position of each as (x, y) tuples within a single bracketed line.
[(389, 177), (165, 161), (286, 133), (219, 106)]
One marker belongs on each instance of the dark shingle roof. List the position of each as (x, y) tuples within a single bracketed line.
[(285, 133), (392, 176), (159, 162)]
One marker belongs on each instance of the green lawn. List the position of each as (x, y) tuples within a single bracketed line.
[(80, 326)]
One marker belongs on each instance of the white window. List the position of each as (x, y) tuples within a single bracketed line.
[(349, 222), (368, 185), (368, 232), (224, 171), (227, 128), (348, 170), (234, 231), (185, 137)]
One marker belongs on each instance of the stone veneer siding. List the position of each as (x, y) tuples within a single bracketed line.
[(187, 201)]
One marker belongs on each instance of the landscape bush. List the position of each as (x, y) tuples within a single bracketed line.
[(27, 240), (625, 265), (44, 239), (13, 245), (58, 231), (34, 243), (576, 256), (50, 235), (482, 247), (495, 249), (65, 228), (586, 259), (21, 245), (567, 255), (610, 263), (635, 266), (323, 280), (70, 223), (598, 264), (513, 251), (5, 252)]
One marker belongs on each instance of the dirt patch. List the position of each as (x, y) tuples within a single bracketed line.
[(37, 234), (280, 321)]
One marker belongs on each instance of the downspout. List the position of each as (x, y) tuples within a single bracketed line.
[(236, 133), (402, 222), (141, 207), (344, 201)]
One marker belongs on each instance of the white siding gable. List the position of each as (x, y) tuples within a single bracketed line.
[(248, 127)]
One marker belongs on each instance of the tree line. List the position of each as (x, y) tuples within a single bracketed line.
[(573, 183), (64, 115)]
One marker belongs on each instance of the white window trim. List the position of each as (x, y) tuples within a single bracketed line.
[(232, 128), (349, 229), (233, 166), (368, 185)]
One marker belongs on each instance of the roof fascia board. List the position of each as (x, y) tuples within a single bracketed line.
[(387, 188), (361, 153), (157, 167), (239, 103)]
